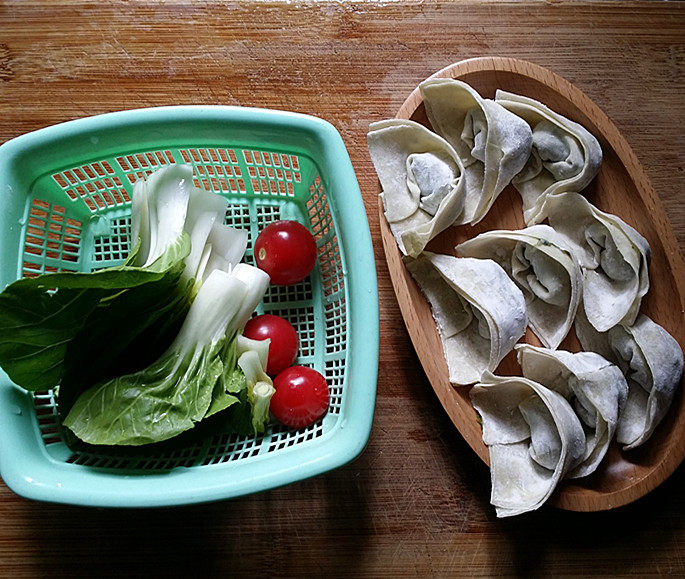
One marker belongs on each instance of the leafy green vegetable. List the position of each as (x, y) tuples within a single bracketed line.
[(124, 335), (35, 331), (175, 392), (230, 383), (39, 316), (152, 405), (204, 371)]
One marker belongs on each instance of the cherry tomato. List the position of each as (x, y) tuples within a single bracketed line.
[(286, 251), (301, 396), (284, 340)]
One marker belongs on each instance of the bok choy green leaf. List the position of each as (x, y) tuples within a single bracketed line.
[(39, 316)]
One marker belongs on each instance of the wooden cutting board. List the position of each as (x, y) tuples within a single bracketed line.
[(416, 502)]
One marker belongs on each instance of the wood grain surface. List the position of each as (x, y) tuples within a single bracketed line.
[(416, 502)]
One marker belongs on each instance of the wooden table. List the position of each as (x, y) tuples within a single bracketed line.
[(416, 502)]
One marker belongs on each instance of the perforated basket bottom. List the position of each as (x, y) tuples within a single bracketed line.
[(262, 187)]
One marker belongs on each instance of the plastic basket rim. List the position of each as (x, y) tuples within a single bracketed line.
[(40, 477), (262, 116)]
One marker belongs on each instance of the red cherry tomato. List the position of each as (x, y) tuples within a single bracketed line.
[(284, 340), (301, 396), (286, 251)]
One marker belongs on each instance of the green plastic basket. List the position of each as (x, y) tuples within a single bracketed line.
[(65, 194)]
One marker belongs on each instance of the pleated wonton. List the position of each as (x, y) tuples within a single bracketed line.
[(533, 437), (492, 143), (540, 263), (652, 362), (595, 388), (614, 257), (421, 179), (479, 311), (565, 156)]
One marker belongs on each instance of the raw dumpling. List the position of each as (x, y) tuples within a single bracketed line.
[(542, 266), (422, 181), (652, 362), (492, 143), (595, 388), (565, 156), (534, 439), (479, 311), (614, 257)]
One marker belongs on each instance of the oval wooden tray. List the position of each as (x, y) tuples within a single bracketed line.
[(622, 188)]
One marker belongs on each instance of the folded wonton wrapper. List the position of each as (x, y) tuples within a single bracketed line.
[(479, 311), (492, 143), (534, 439), (652, 362), (614, 257), (565, 156), (540, 263), (422, 181), (595, 388)]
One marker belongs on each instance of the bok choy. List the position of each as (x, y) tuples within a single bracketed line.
[(40, 316), (174, 393), (137, 324), (134, 328)]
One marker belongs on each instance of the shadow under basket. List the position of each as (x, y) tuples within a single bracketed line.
[(66, 207)]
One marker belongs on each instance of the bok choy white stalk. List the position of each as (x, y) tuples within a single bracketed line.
[(244, 387), (159, 207), (227, 246), (260, 388), (165, 206)]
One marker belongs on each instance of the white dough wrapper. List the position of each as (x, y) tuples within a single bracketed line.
[(422, 181), (479, 311), (534, 439), (492, 143), (542, 266), (565, 155), (614, 257), (595, 388), (652, 362)]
